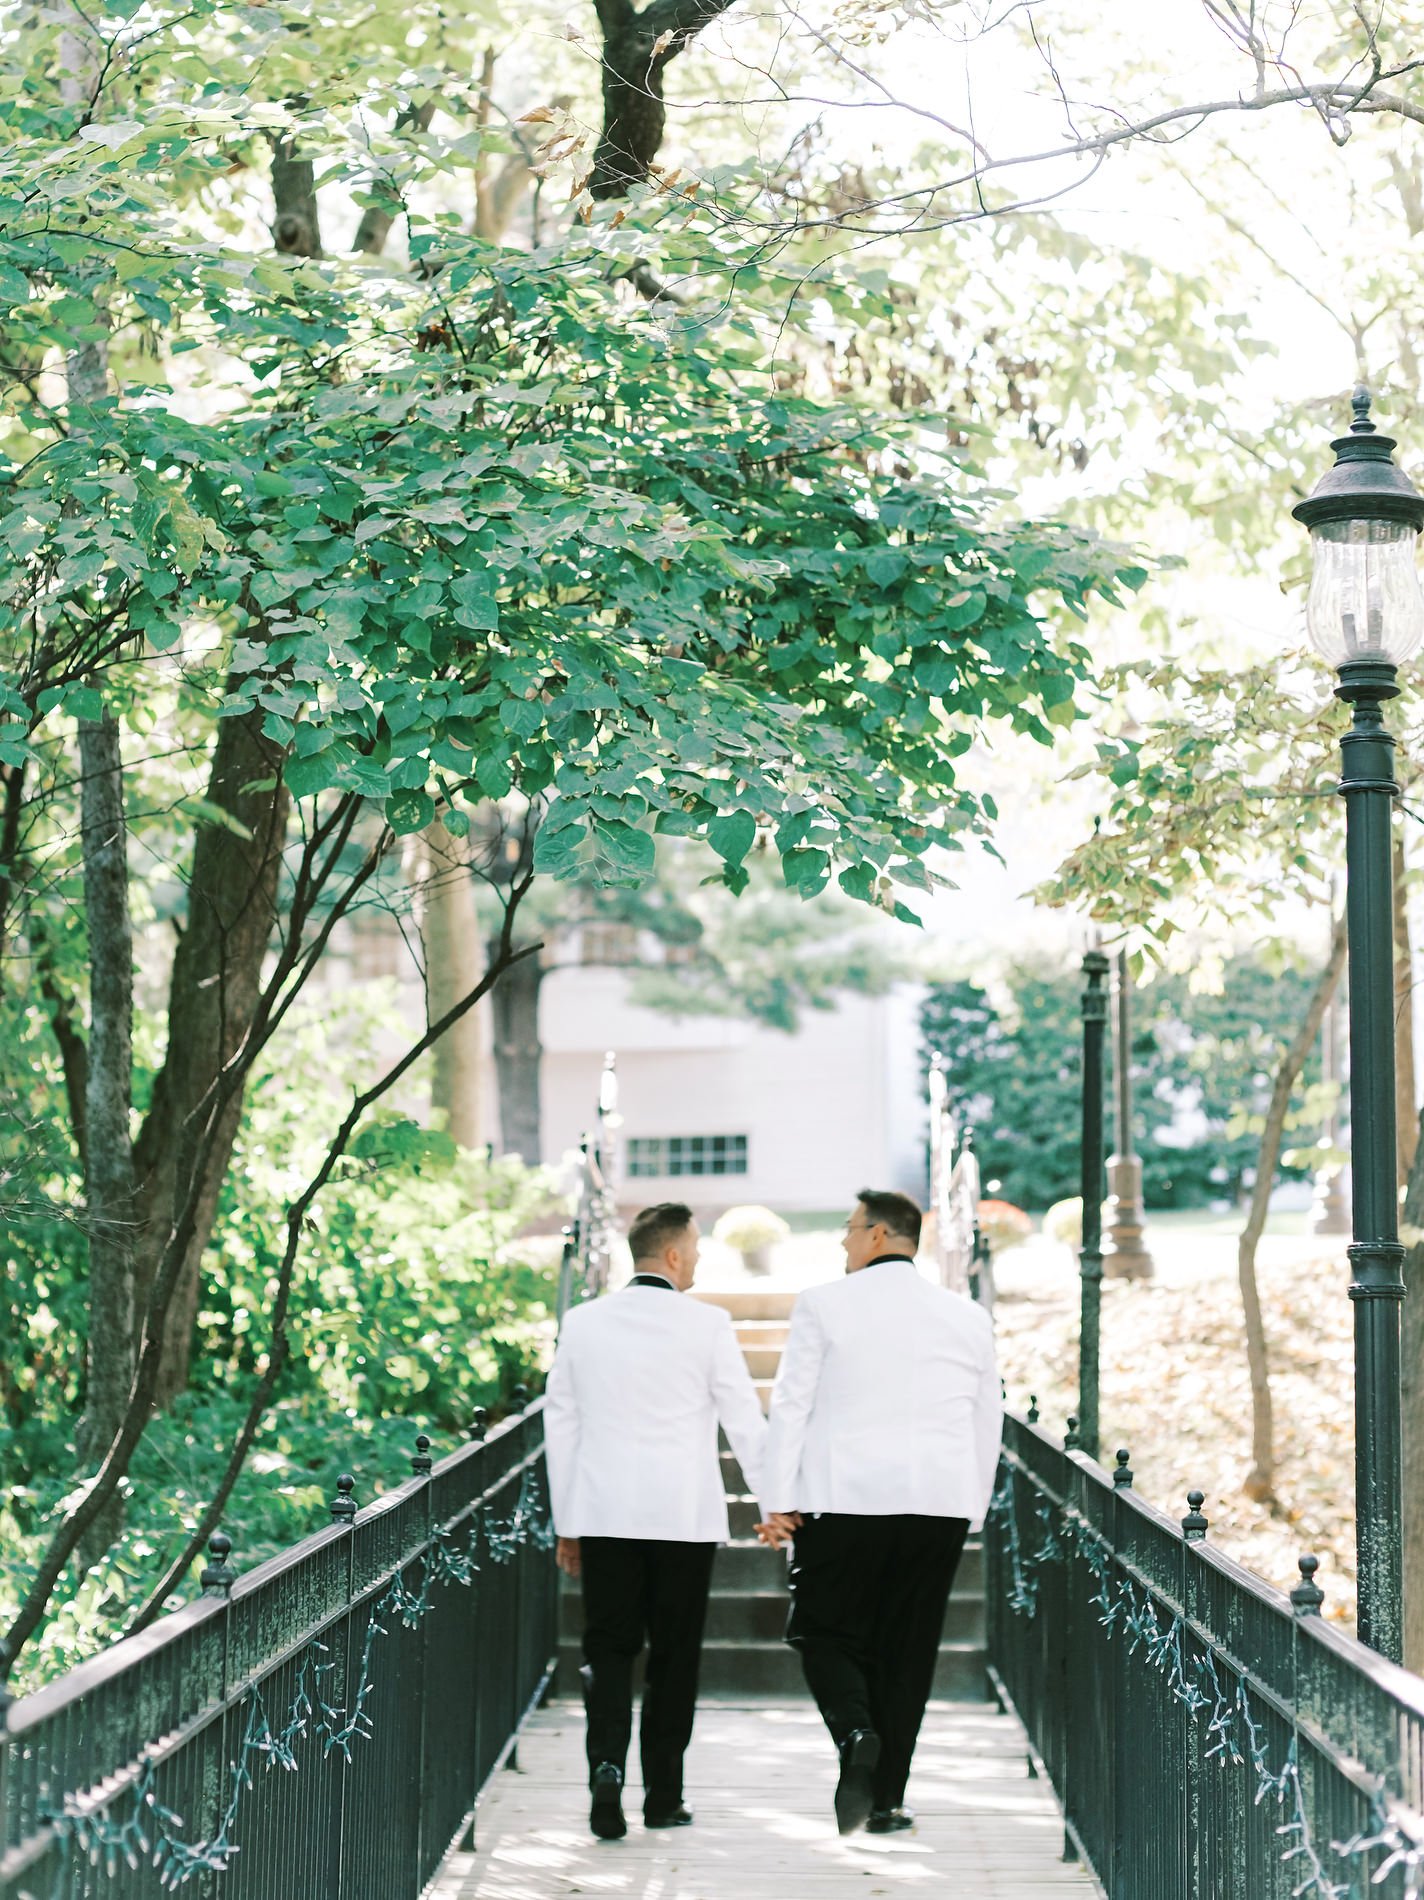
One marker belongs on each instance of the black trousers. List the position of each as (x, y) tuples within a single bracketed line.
[(868, 1597), (638, 1590)]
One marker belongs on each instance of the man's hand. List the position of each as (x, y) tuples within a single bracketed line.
[(779, 1528), (568, 1556)]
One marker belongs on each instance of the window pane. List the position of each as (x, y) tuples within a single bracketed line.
[(650, 1155)]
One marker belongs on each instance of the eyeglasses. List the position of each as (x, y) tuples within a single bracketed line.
[(854, 1226)]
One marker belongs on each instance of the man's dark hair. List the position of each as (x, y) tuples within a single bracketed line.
[(658, 1227), (895, 1212)]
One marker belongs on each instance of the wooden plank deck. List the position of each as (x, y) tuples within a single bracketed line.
[(760, 1779)]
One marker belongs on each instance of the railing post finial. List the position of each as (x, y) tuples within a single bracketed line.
[(1033, 1408), (1122, 1477), (1071, 1440), (421, 1462), (1307, 1596), (1194, 1525), (521, 1398), (479, 1424), (343, 1505), (218, 1575)]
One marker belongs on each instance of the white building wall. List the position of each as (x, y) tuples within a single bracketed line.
[(832, 1108)]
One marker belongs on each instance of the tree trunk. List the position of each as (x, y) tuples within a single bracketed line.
[(376, 220), (636, 50), (454, 962), (296, 227), (217, 968), (107, 1136), (436, 869), (517, 1058), (1406, 1100), (213, 992), (1261, 1479)]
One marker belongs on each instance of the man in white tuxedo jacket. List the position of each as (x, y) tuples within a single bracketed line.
[(639, 1384), (885, 1426)]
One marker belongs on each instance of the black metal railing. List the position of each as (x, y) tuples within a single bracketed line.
[(1209, 1738), (319, 1729), (954, 1239), (588, 1239)]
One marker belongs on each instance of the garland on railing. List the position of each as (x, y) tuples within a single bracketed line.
[(1235, 1734), (151, 1831)]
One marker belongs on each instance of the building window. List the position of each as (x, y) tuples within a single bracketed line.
[(687, 1154)]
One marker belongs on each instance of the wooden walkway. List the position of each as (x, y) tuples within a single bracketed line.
[(760, 1779)]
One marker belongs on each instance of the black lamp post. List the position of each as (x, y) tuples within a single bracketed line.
[(1090, 1258), (1366, 616)]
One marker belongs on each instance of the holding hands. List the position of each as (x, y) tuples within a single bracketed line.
[(779, 1528)]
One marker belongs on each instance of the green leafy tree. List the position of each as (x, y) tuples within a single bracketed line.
[(323, 551), (1014, 1075)]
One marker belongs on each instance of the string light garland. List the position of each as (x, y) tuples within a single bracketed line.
[(1234, 1733), (153, 1832)]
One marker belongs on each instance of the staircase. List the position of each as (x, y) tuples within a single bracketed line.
[(743, 1654)]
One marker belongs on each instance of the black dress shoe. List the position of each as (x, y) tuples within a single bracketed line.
[(889, 1820), (675, 1816), (605, 1813), (860, 1757)]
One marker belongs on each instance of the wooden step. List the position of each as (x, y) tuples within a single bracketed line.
[(759, 1616), (739, 1669), (762, 1361), (744, 1306), (749, 1566), (761, 1332)]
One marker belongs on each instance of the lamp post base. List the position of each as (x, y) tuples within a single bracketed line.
[(1329, 1207), (1125, 1257)]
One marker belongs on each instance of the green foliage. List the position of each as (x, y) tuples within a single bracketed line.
[(416, 1300), (413, 1295), (492, 529), (1224, 798), (478, 525), (1203, 1065), (765, 953)]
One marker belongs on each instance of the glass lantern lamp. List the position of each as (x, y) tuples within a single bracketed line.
[(1365, 615), (1364, 517)]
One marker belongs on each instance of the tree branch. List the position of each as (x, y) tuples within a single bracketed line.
[(684, 19), (13, 812), (376, 220), (504, 958), (1261, 1480), (74, 1058)]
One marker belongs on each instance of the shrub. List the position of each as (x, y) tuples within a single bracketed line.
[(1003, 1224), (748, 1228)]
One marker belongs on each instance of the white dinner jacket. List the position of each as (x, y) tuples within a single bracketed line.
[(639, 1383), (887, 1401)]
